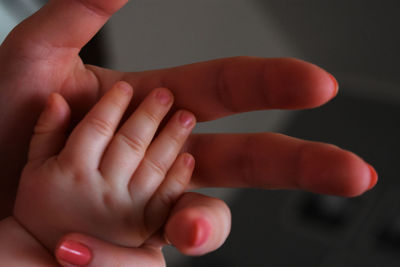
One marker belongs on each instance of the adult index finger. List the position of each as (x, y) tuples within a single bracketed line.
[(218, 88)]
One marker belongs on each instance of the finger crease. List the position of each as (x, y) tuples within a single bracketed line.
[(157, 166), (134, 143), (95, 9), (222, 89)]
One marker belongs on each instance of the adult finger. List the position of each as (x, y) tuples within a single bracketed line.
[(80, 250), (241, 84), (275, 161), (62, 27), (217, 88), (198, 224)]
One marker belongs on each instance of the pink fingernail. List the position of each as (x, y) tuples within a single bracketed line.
[(335, 85), (186, 119), (74, 253), (201, 232), (188, 160), (374, 177), (163, 96)]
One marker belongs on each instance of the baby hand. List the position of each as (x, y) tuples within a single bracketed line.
[(116, 185)]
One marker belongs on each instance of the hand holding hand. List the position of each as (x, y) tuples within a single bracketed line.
[(118, 186), (41, 56)]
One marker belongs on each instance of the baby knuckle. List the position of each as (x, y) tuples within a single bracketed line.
[(135, 143), (152, 117), (118, 104), (181, 182), (101, 126), (176, 139), (157, 166)]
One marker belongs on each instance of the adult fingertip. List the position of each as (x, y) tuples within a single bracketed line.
[(189, 235), (200, 232), (297, 84), (335, 85), (71, 253), (374, 177), (328, 169), (361, 178), (198, 224)]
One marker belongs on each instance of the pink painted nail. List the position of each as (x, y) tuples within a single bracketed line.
[(201, 232), (335, 84), (374, 177), (74, 253)]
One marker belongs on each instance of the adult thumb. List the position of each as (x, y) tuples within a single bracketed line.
[(78, 250)]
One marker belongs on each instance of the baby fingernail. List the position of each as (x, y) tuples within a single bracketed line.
[(164, 97), (74, 253), (124, 87), (188, 160), (186, 119)]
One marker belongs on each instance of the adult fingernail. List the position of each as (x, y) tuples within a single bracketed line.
[(374, 177), (74, 253), (201, 232), (335, 84)]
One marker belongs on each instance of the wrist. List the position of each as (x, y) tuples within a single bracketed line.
[(18, 247)]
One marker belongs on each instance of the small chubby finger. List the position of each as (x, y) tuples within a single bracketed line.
[(174, 185), (49, 134), (198, 224), (90, 138), (160, 156), (130, 143)]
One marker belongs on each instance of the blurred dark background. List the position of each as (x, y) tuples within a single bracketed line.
[(356, 40)]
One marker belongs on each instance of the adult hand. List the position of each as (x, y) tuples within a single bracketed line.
[(41, 56), (197, 225)]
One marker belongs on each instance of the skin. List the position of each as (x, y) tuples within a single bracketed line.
[(119, 185), (40, 57)]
